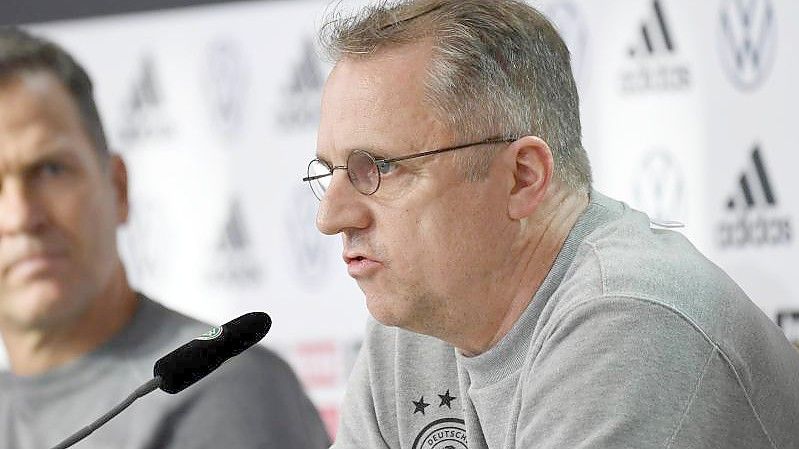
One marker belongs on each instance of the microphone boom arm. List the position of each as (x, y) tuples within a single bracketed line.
[(145, 389)]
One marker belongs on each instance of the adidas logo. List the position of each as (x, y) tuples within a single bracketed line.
[(655, 35), (652, 72), (143, 108), (234, 237), (303, 92), (754, 203), (749, 190), (307, 76), (234, 264)]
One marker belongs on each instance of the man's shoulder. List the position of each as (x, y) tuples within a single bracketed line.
[(629, 257)]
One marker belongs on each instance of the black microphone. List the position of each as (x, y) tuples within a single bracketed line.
[(199, 357), (189, 363)]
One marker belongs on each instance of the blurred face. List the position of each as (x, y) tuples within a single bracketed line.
[(59, 206), (424, 245)]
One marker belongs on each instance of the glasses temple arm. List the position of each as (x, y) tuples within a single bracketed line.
[(444, 150)]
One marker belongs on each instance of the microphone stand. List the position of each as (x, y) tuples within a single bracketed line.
[(147, 388)]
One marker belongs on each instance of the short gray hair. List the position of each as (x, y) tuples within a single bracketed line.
[(499, 69), (22, 52)]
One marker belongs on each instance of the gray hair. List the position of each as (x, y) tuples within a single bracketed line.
[(499, 69), (22, 52)]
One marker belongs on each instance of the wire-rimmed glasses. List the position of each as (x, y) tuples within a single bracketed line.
[(364, 170)]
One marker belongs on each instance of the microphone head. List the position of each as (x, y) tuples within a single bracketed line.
[(199, 357)]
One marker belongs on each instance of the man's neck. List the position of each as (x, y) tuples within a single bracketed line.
[(545, 236), (35, 351)]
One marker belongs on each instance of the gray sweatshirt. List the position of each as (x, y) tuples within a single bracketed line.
[(252, 401), (634, 340)]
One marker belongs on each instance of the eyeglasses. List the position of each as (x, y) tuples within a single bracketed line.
[(364, 170)]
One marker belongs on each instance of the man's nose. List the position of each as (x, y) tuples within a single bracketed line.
[(342, 207), (20, 209)]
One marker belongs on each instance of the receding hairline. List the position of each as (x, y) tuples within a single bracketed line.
[(27, 76)]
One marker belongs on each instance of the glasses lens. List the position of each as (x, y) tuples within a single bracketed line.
[(319, 186), (363, 173)]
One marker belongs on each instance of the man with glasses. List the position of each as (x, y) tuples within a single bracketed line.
[(79, 338), (515, 306)]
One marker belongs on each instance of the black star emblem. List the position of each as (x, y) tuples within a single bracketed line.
[(420, 406), (446, 399)]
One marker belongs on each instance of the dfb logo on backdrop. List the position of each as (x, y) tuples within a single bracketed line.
[(143, 110), (233, 263), (227, 82), (572, 28), (789, 322), (302, 93), (310, 248), (747, 41), (654, 63), (659, 186), (753, 213)]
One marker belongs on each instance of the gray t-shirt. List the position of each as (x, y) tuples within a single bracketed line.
[(252, 401), (634, 340)]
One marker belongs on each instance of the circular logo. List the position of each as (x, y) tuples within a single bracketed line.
[(747, 41), (227, 82), (214, 332), (310, 249), (659, 186), (445, 433)]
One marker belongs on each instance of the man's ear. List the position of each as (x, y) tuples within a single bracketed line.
[(119, 181), (533, 171)]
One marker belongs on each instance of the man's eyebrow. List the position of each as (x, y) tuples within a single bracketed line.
[(50, 152)]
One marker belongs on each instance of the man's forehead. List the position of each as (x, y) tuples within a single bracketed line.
[(38, 120), (375, 103)]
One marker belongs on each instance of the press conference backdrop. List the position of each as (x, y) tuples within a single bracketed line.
[(688, 114)]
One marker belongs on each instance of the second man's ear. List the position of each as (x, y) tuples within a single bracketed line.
[(119, 179), (533, 172)]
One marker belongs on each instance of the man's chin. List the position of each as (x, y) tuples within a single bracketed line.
[(36, 305), (387, 311)]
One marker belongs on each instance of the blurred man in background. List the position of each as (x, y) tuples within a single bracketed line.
[(79, 339), (516, 307)]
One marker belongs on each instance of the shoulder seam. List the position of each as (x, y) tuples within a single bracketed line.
[(693, 397), (704, 335)]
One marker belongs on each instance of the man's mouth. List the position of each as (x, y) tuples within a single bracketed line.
[(33, 264), (360, 265)]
